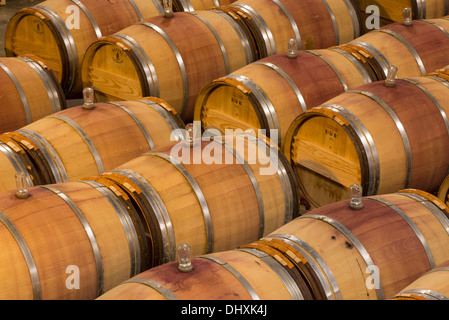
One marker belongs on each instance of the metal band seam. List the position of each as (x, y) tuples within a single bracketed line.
[(126, 222), (34, 275), (154, 285), (89, 233)]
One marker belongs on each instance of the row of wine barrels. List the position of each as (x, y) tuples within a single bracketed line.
[(433, 285), (383, 138), (66, 241), (216, 194), (390, 11), (79, 239), (332, 253), (76, 143), (60, 32), (313, 24), (198, 47), (271, 92), (171, 58), (29, 91)]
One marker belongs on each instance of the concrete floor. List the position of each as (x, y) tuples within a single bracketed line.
[(6, 12)]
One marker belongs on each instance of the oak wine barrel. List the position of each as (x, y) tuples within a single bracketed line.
[(375, 251), (68, 241), (383, 138), (76, 143), (331, 253), (432, 285), (29, 92), (313, 24), (416, 49), (215, 194), (171, 58), (271, 92), (60, 31)]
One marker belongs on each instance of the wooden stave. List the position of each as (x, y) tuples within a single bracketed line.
[(52, 159), (269, 37), (33, 104)]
